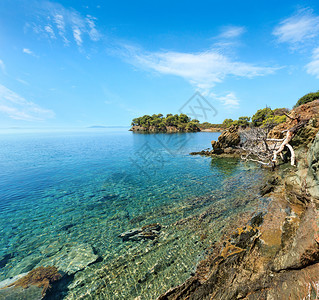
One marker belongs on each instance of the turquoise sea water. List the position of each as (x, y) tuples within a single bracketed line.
[(80, 190)]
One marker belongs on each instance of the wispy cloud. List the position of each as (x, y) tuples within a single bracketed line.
[(301, 32), (58, 19), (298, 29), (313, 67), (22, 81), (230, 100), (49, 30), (93, 32), (54, 20), (27, 51), (230, 32), (202, 69), (77, 35), (18, 108)]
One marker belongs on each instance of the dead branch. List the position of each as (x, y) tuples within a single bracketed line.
[(283, 144), (293, 156), (289, 135), (263, 150)]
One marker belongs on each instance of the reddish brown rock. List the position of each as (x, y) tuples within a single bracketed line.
[(227, 141)]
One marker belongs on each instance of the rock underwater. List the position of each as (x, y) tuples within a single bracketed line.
[(278, 257)]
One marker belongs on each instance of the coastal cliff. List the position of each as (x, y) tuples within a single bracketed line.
[(275, 254)]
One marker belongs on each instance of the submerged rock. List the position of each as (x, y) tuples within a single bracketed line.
[(150, 231), (4, 259), (33, 285), (275, 257), (14, 293), (269, 186), (72, 259)]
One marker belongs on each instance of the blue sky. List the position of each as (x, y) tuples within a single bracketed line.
[(83, 63)]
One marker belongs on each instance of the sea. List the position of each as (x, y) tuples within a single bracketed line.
[(67, 196)]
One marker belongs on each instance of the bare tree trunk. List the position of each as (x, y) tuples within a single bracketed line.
[(293, 156), (288, 138)]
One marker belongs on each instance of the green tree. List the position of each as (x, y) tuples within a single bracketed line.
[(307, 98), (169, 120), (261, 115), (228, 122), (136, 122), (183, 118), (243, 121), (191, 126)]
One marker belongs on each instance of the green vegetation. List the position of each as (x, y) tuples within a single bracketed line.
[(207, 125), (261, 115), (267, 116), (307, 98), (242, 122), (158, 122), (228, 122), (261, 118)]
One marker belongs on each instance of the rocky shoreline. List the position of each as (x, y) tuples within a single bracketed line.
[(271, 256), (274, 255)]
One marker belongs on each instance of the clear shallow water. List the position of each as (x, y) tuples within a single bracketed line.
[(60, 189)]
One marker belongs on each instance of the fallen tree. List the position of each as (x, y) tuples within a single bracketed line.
[(258, 147)]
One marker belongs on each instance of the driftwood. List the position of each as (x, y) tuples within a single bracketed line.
[(289, 135), (259, 148)]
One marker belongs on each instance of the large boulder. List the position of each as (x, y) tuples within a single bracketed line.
[(227, 141), (306, 112)]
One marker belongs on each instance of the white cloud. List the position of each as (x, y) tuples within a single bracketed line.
[(202, 69), (299, 28), (18, 108), (93, 33), (27, 51), (60, 24), (230, 32), (313, 67), (230, 100), (68, 23), (77, 36), (50, 31)]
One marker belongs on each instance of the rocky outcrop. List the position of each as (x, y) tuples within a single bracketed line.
[(227, 141), (146, 232), (276, 255), (307, 112), (225, 146)]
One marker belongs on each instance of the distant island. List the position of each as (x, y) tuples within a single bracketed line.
[(170, 123)]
